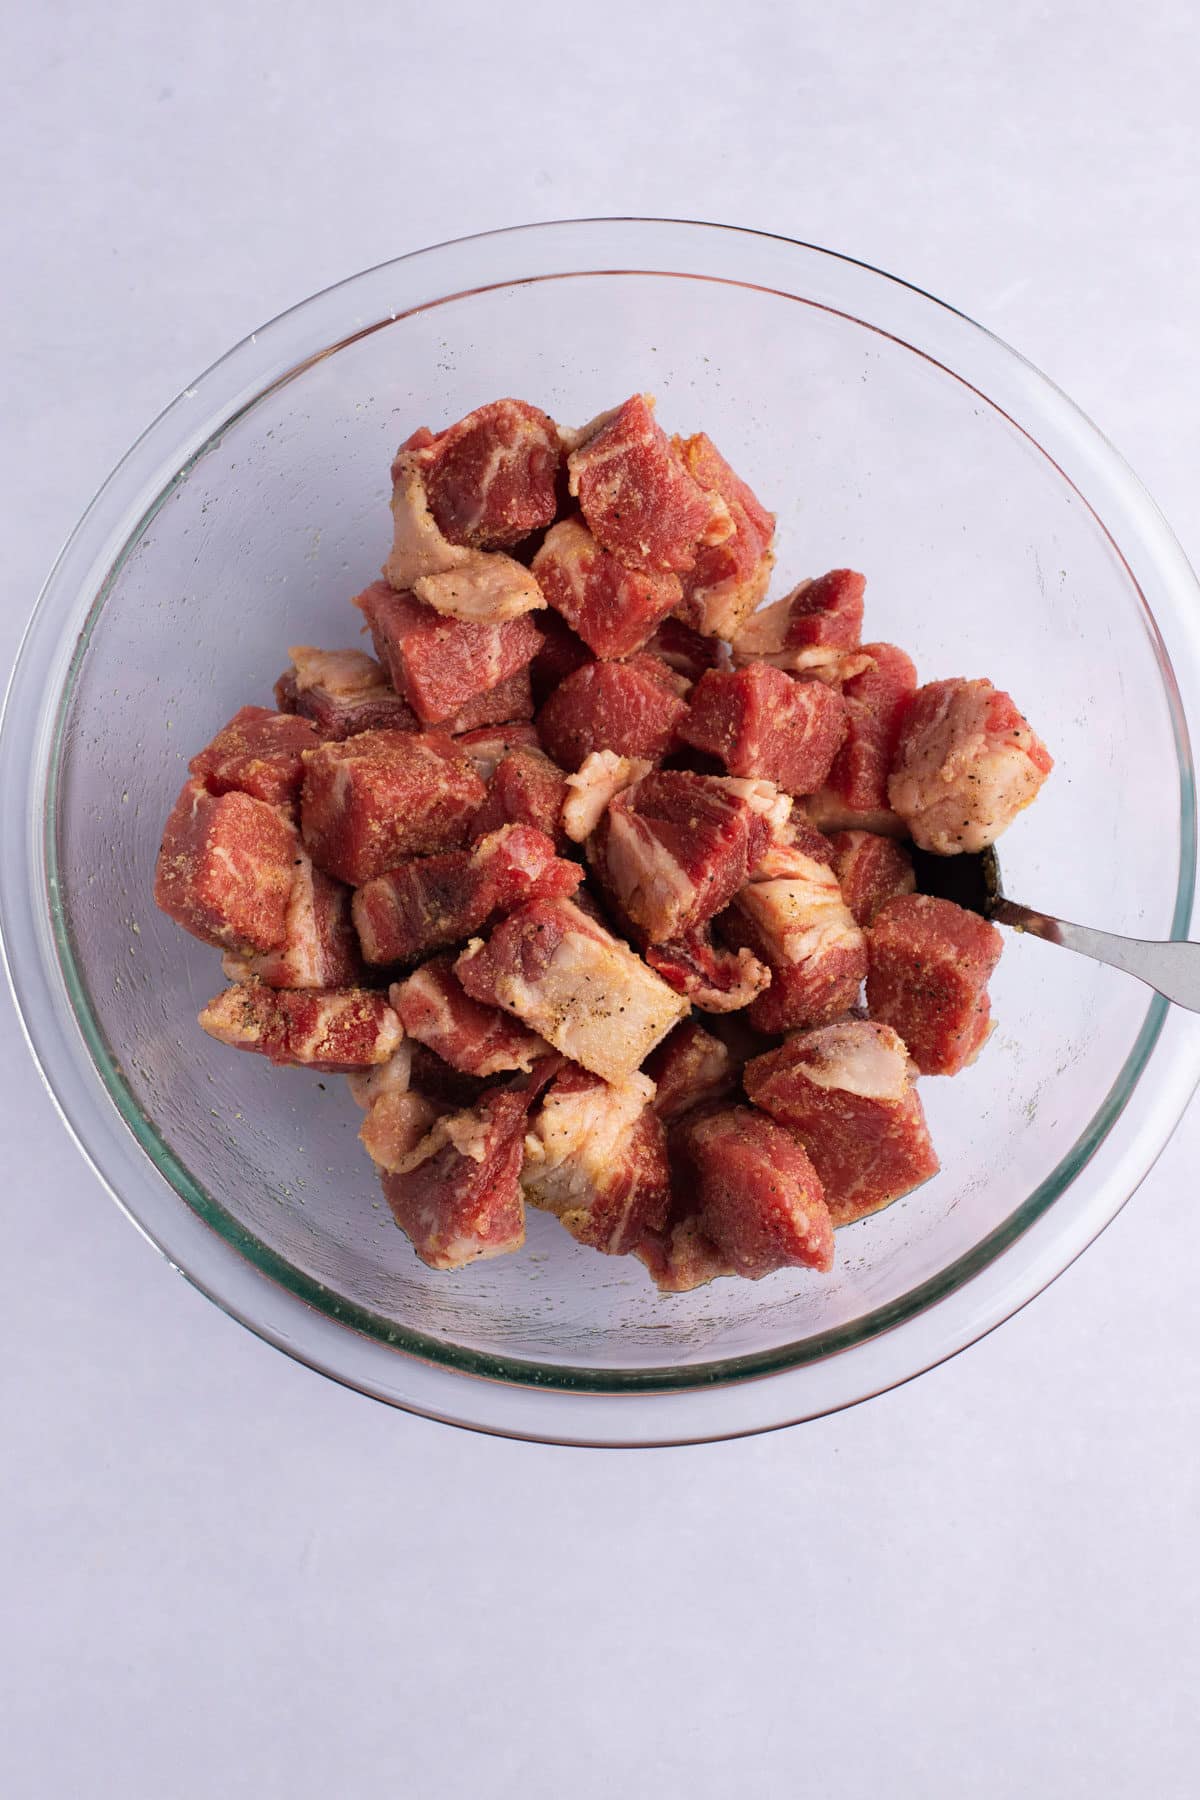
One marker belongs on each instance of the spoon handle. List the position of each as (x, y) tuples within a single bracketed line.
[(1173, 968)]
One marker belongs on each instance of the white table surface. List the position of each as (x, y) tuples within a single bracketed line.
[(224, 1576)]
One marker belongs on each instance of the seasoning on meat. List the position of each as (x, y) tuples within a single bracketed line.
[(966, 764), (799, 925), (595, 784), (343, 692), (759, 721), (257, 753), (596, 1157), (333, 1030), (525, 788), (876, 703), (612, 607), (710, 975), (727, 580), (871, 871), (490, 478), (631, 708), (440, 665), (436, 1010), (756, 1194), (490, 588), (373, 800), (637, 496), (457, 1194), (319, 949), (690, 1068), (225, 869), (930, 964)]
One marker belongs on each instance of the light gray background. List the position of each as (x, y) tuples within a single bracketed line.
[(223, 1576)]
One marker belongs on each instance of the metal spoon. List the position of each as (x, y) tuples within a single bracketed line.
[(973, 881)]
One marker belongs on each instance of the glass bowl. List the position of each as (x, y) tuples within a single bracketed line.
[(1000, 534)]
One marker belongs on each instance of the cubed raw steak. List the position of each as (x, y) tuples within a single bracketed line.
[(436, 1010), (876, 703), (871, 870), (681, 1257), (799, 925), (631, 708), (690, 1068), (847, 1091), (371, 801), (225, 869), (510, 702), (727, 580), (491, 477), (332, 1030), (759, 721), (930, 963), (967, 762), (320, 949), (439, 664), (526, 788), (558, 655), (257, 753), (600, 777), (457, 1195), (636, 493), (757, 1196), (343, 692), (710, 975), (596, 1157), (612, 607)]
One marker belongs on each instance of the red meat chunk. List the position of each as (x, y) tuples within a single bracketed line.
[(797, 922), (457, 1195), (687, 651), (827, 611), (396, 1118), (632, 708), (794, 837), (319, 949), (930, 963), (257, 753), (757, 1196), (711, 976), (637, 496), (436, 1010), (847, 1091), (510, 702), (432, 901), (728, 580), (225, 869), (690, 1068), (681, 1257), (333, 1030), (440, 665), (967, 762), (596, 1157), (489, 744), (871, 870), (491, 478), (525, 789), (759, 721), (373, 800), (613, 608), (876, 702), (675, 848), (343, 692), (558, 655)]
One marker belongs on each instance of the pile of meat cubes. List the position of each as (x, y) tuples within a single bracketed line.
[(580, 877)]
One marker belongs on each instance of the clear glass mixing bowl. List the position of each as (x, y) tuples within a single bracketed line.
[(1001, 535)]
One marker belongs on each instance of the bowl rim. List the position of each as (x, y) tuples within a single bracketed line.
[(58, 1033)]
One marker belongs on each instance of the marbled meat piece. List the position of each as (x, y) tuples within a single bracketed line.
[(488, 745), (759, 721), (257, 753), (441, 665), (967, 762), (596, 1157), (876, 703), (847, 1091), (510, 702), (320, 949), (812, 631), (558, 655), (225, 869), (792, 837), (690, 1068), (491, 478), (371, 801), (757, 1196), (526, 788), (631, 708), (419, 546), (871, 871), (637, 496), (600, 777), (343, 692), (710, 975), (614, 608), (333, 1030), (727, 580), (681, 1257), (799, 925), (573, 983), (457, 1195), (684, 649), (930, 963), (429, 902), (489, 588), (436, 1010)]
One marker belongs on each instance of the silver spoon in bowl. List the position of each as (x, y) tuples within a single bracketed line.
[(972, 880)]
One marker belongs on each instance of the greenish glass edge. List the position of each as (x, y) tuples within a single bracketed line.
[(485, 1364)]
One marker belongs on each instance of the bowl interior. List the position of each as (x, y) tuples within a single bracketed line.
[(981, 560)]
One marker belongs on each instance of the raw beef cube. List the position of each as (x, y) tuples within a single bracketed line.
[(871, 870), (632, 708), (712, 977), (419, 546), (574, 984), (876, 702), (510, 702), (966, 764), (435, 1009), (525, 789), (682, 1257), (759, 721), (799, 925), (596, 1157), (728, 580), (257, 753), (489, 744), (491, 478), (396, 1118), (595, 784), (225, 869), (814, 630), (488, 588), (431, 901), (343, 692), (558, 655), (689, 1069), (457, 1195), (333, 1030), (847, 1091), (319, 949), (637, 496), (439, 665), (930, 963), (687, 651), (613, 608), (757, 1196), (674, 848), (373, 800)]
